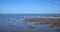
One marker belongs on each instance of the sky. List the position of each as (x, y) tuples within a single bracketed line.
[(30, 6)]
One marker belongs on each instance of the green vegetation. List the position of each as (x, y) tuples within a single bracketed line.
[(25, 22), (37, 23), (30, 26)]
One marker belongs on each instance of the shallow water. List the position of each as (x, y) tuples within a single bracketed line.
[(14, 23)]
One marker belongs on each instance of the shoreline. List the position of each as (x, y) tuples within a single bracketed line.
[(50, 17), (45, 20)]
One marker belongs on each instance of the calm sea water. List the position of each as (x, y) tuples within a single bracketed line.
[(14, 23)]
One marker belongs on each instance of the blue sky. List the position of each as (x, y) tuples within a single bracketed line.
[(30, 6)]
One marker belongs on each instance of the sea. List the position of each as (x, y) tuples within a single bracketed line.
[(15, 23)]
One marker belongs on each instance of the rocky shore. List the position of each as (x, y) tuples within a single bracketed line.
[(55, 21)]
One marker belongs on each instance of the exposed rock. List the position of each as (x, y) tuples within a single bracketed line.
[(51, 21)]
